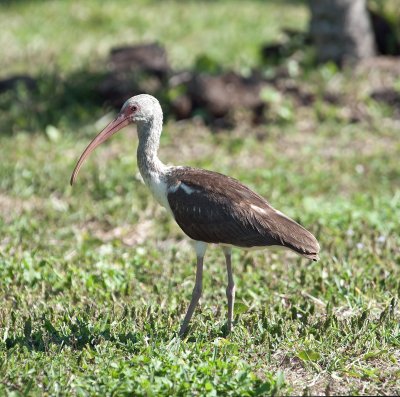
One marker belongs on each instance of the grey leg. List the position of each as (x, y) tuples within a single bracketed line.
[(230, 289), (196, 294)]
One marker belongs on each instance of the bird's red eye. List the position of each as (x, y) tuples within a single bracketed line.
[(134, 108)]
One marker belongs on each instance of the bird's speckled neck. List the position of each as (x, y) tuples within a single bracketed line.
[(153, 171), (149, 132)]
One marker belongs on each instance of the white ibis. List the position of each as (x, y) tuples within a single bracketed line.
[(208, 206)]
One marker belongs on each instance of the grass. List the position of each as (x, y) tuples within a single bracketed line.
[(95, 280), (35, 33)]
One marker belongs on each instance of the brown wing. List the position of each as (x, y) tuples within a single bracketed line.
[(215, 208)]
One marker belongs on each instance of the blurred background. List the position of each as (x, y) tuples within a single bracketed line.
[(206, 61), (300, 100)]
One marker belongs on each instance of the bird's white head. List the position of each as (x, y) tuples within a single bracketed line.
[(141, 109)]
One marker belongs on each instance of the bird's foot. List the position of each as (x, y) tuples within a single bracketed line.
[(183, 330), (227, 328)]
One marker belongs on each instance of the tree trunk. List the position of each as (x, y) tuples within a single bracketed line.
[(341, 30)]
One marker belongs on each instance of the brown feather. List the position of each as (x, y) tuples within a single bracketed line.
[(215, 208)]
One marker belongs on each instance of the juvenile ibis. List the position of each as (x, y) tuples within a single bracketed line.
[(208, 206)]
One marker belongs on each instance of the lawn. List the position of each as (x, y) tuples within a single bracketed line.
[(95, 279)]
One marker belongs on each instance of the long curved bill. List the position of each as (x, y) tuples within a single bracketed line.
[(120, 122)]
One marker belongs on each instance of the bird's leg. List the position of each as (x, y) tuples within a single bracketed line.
[(198, 287), (196, 294), (230, 289)]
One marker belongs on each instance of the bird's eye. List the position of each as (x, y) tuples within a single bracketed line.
[(134, 108)]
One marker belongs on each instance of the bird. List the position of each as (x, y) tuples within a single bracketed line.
[(209, 207)]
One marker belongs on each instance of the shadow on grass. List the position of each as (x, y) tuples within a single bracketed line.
[(34, 103), (70, 102)]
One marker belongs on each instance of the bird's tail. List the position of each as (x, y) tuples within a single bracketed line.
[(314, 257), (294, 236)]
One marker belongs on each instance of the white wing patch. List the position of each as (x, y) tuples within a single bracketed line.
[(187, 189)]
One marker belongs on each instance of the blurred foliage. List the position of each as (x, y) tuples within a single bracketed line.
[(206, 64), (390, 10)]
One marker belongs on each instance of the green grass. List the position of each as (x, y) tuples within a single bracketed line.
[(95, 279), (36, 33)]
